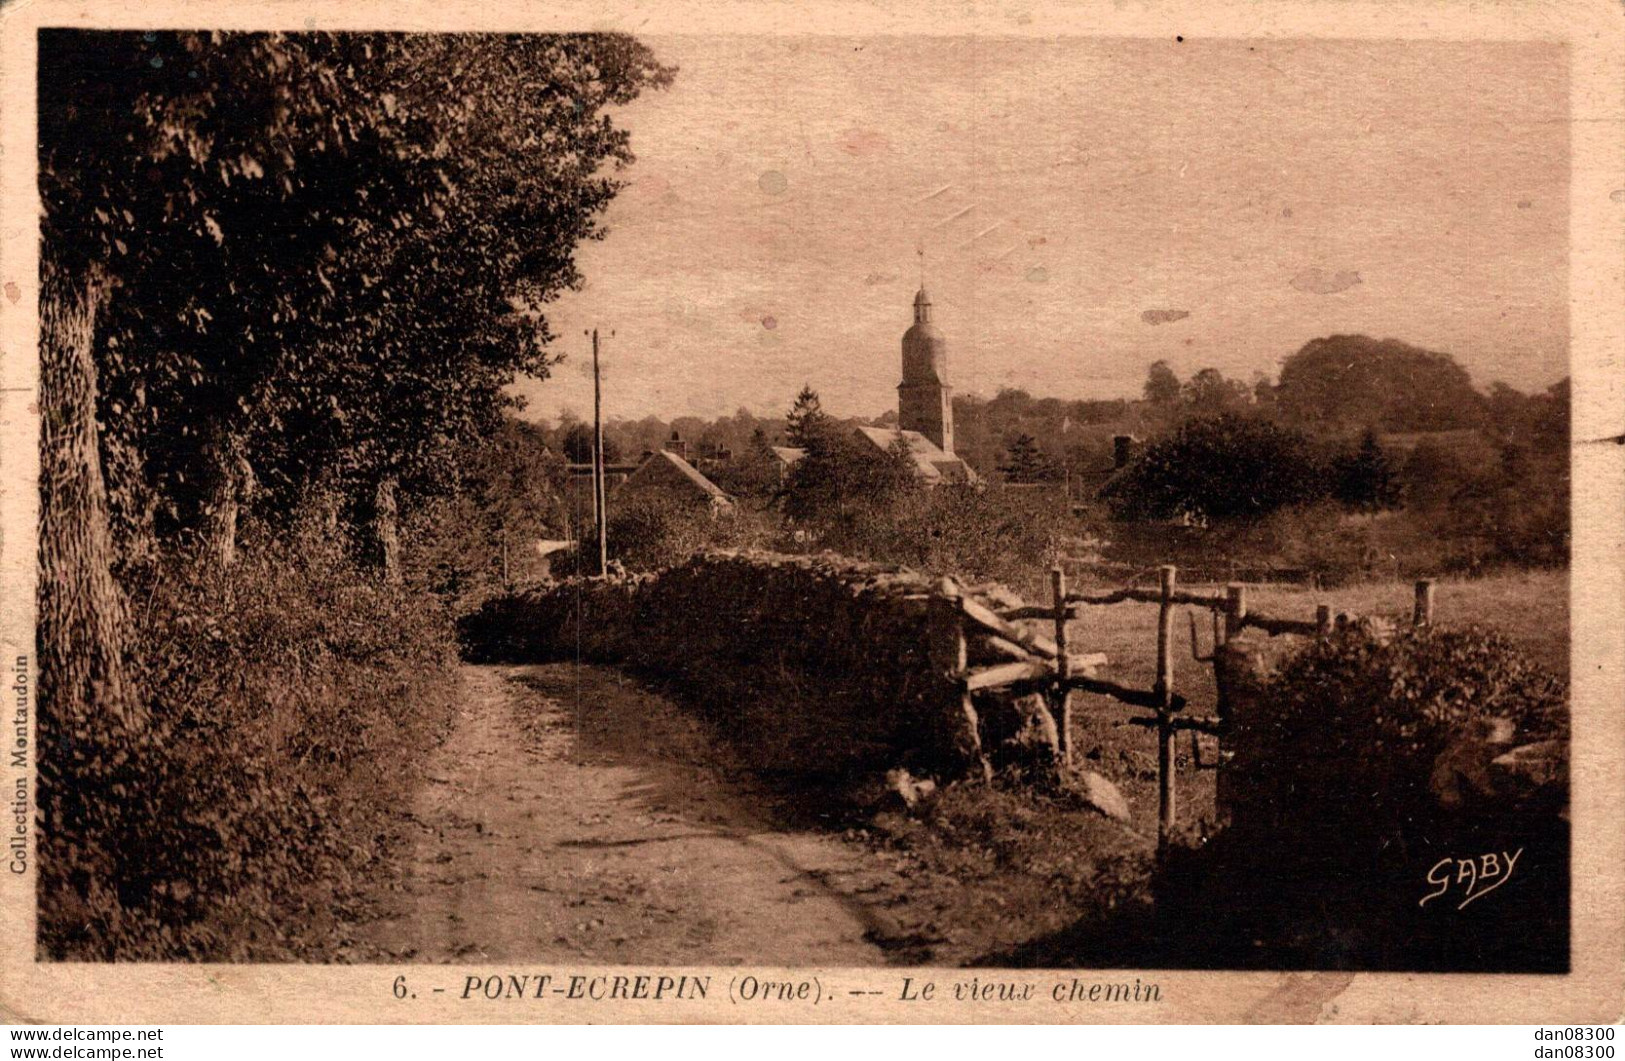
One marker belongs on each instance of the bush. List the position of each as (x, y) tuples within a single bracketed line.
[(967, 531), (284, 696), (651, 533), (1219, 468), (842, 478), (988, 535), (1365, 714), (1339, 814), (1488, 507)]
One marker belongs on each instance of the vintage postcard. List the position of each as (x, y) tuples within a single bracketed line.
[(723, 512)]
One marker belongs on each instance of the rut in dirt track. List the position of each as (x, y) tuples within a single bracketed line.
[(573, 814)]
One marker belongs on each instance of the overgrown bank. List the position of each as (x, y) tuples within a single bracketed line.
[(287, 700)]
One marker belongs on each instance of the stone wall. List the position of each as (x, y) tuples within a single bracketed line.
[(810, 664)]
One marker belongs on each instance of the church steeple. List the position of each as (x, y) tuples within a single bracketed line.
[(922, 306), (924, 399)]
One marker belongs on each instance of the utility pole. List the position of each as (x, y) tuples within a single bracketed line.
[(598, 462)]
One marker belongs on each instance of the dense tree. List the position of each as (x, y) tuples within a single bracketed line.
[(309, 257), (510, 493), (1162, 387), (1209, 393), (805, 418), (751, 471), (1538, 421), (493, 226), (367, 275), (1062, 429), (1219, 468), (1364, 479), (1263, 391), (1350, 381), (135, 162), (840, 472), (1552, 428), (1024, 462)]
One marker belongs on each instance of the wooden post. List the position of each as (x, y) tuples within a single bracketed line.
[(1167, 805), (951, 657), (598, 492), (1423, 616), (1063, 695), (1235, 609), (1323, 619), (1165, 633)]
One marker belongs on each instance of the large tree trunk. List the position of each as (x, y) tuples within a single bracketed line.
[(82, 620), (386, 529), (231, 482), (132, 509)]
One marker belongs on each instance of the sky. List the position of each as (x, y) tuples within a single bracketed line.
[(1078, 208)]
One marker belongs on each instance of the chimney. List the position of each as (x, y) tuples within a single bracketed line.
[(1124, 448), (676, 445)]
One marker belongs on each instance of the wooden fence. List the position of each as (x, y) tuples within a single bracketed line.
[(1047, 665)]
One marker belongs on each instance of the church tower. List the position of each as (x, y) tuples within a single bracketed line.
[(924, 399)]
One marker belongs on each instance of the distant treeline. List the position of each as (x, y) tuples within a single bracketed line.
[(1333, 388), (1362, 458)]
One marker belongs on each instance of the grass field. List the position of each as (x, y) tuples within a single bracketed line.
[(1530, 607)]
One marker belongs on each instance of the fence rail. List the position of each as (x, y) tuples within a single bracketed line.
[(1046, 665)]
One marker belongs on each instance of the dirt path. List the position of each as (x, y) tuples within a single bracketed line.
[(572, 814)]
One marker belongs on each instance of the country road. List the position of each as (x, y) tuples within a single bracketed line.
[(572, 815)]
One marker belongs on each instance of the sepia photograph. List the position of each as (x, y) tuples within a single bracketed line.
[(614, 510)]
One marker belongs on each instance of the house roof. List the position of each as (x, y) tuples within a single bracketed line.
[(930, 462), (788, 454), (665, 470)]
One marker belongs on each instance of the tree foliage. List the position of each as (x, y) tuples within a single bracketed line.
[(1209, 393), (1364, 479), (805, 419), (276, 269), (578, 445), (841, 474), (479, 537), (1351, 381), (1218, 468), (321, 259), (1162, 387), (1025, 463)]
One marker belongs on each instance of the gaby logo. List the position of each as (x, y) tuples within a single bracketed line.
[(1477, 876)]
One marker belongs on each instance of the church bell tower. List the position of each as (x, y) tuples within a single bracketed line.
[(924, 399)]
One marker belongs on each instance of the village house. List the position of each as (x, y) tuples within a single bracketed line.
[(668, 476), (785, 458)]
